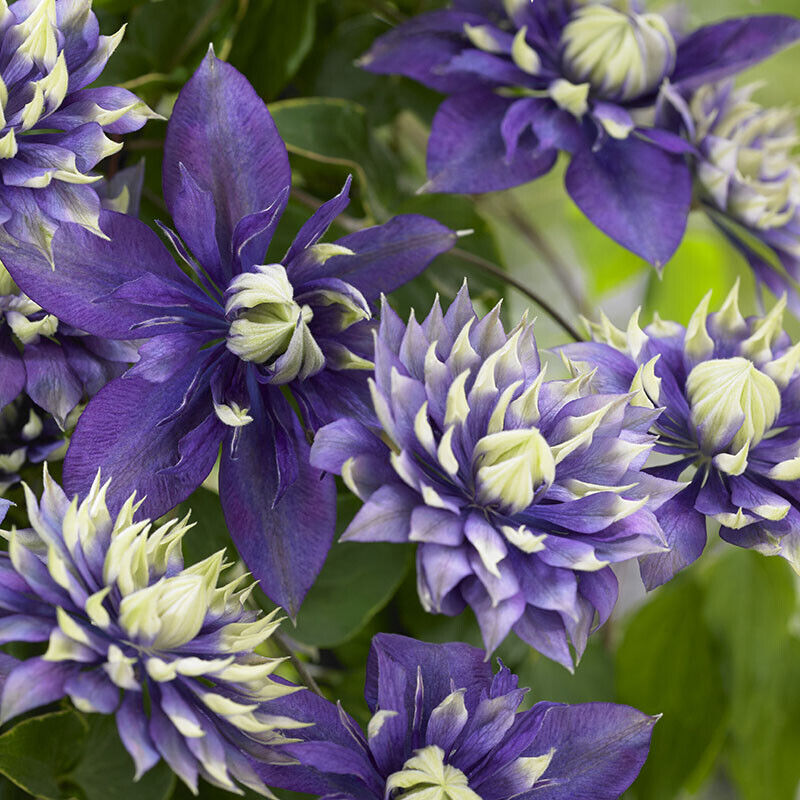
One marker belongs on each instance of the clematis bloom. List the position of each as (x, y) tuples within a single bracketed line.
[(520, 491)]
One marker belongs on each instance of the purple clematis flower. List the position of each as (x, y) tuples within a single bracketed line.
[(56, 365), (131, 631), (528, 79), (28, 435), (520, 491), (747, 175), (52, 129), (730, 392), (228, 346), (444, 728)]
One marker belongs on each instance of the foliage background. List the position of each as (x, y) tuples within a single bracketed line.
[(717, 651)]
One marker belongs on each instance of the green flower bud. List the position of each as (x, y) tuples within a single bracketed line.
[(269, 324), (510, 466), (733, 404), (622, 55), (426, 775)]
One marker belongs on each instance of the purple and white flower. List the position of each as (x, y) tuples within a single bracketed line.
[(229, 333), (520, 491), (526, 80), (53, 129), (729, 388), (128, 630), (443, 727), (748, 175)]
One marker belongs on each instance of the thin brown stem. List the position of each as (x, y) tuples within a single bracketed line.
[(492, 269), (302, 670), (386, 10)]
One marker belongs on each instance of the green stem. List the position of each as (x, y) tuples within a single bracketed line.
[(302, 670)]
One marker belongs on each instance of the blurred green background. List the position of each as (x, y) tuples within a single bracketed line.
[(716, 651)]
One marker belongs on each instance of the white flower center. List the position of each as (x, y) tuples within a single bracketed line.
[(510, 466), (425, 776), (732, 403), (269, 326), (622, 55)]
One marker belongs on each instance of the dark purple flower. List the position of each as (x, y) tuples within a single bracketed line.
[(444, 728), (747, 174), (227, 346), (52, 129), (28, 435), (527, 79), (730, 392), (56, 365), (520, 491), (131, 631)]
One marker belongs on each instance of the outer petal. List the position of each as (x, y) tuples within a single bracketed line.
[(34, 683), (636, 193), (717, 51), (89, 269), (439, 664), (386, 256), (11, 368), (221, 131), (466, 151), (126, 433), (599, 750), (284, 545)]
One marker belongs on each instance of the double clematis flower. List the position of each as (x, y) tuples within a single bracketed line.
[(730, 424), (747, 175), (443, 727), (526, 80), (128, 630), (520, 491), (53, 129), (232, 338)]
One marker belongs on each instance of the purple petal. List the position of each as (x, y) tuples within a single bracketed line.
[(717, 51), (544, 631), (90, 268), (386, 256), (385, 517), (123, 433), (599, 750), (467, 153), (284, 545), (51, 382), (11, 368), (132, 727), (221, 131), (685, 532), (636, 193), (34, 683)]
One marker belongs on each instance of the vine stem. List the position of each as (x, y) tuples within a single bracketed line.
[(492, 269), (350, 224), (297, 663)]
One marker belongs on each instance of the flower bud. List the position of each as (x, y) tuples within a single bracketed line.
[(427, 774), (622, 55), (269, 326), (732, 403), (510, 466)]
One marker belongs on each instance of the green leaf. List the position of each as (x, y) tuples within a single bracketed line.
[(272, 41), (356, 581), (37, 754), (210, 532), (667, 663), (106, 769), (750, 603), (336, 131)]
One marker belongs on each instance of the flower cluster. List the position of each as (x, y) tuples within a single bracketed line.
[(131, 631), (226, 336), (52, 129), (729, 389), (528, 79), (444, 728), (520, 491)]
